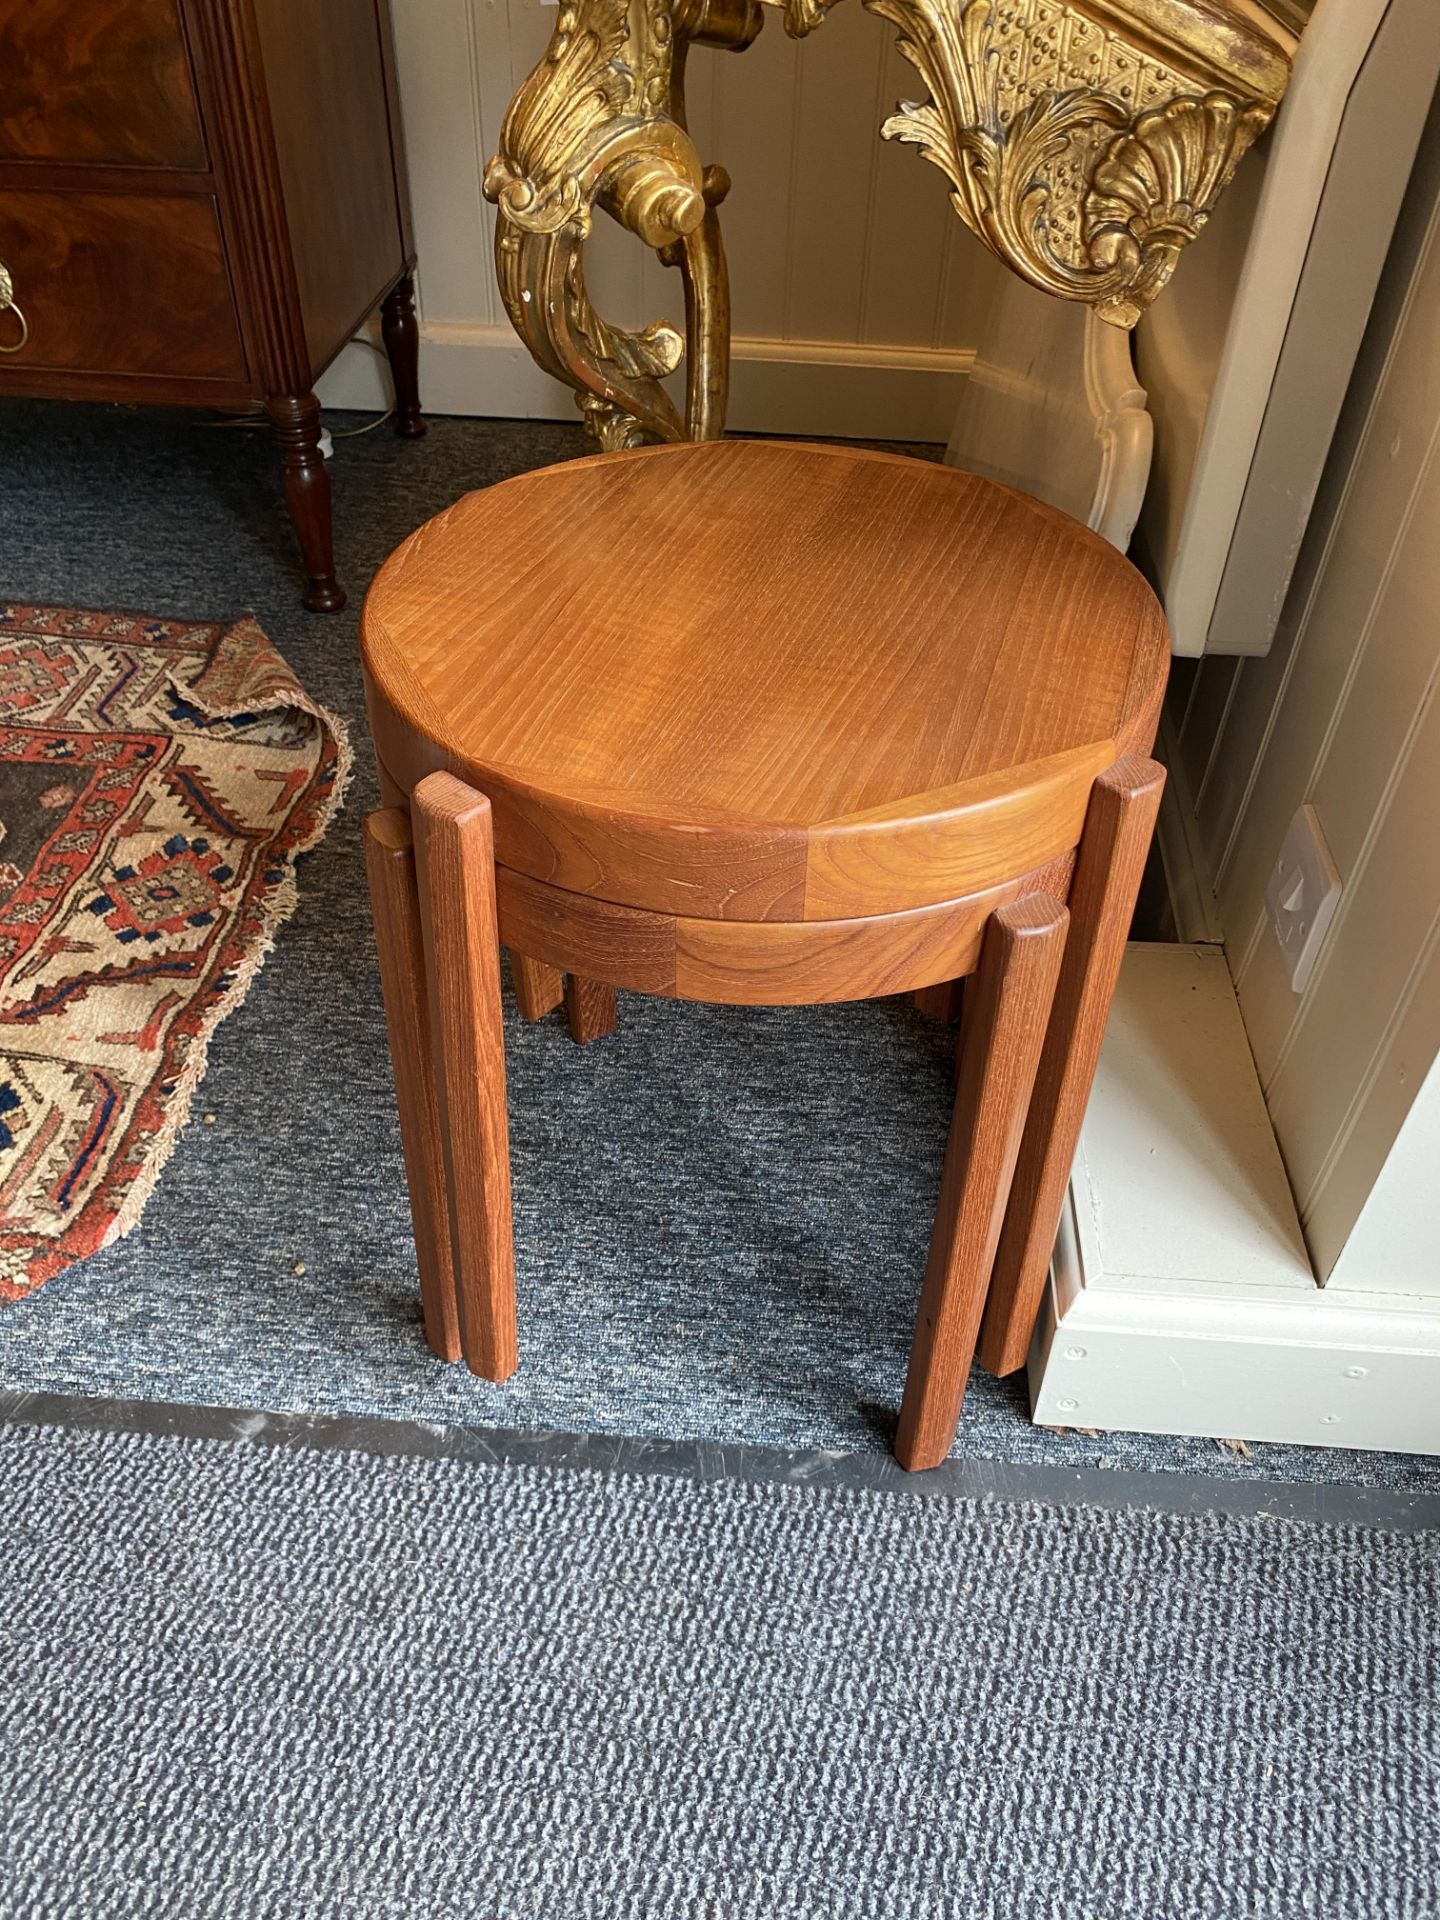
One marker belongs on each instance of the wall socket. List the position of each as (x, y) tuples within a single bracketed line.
[(1302, 895)]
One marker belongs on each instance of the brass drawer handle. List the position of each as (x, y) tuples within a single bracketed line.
[(8, 305)]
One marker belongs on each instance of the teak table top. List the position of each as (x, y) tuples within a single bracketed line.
[(846, 682)]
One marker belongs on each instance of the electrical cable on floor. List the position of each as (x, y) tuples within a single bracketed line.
[(257, 417), (353, 433)]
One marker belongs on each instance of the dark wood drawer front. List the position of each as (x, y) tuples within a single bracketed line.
[(119, 283), (109, 84)]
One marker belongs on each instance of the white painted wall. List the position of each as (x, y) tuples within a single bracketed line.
[(856, 291), (1246, 360), (1396, 1241), (1343, 714)]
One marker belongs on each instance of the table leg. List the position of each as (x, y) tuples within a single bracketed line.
[(942, 1001), (401, 334), (295, 422), (455, 859), (390, 864), (589, 1008), (538, 987), (1005, 1019), (1118, 825), (577, 137)]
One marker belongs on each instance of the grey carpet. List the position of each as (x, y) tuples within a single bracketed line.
[(298, 1685), (722, 1214)]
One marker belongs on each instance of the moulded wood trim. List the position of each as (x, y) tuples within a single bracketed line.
[(79, 176), (776, 386), (128, 389), (225, 49)]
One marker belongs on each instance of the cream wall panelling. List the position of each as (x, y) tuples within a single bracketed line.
[(1396, 1240), (856, 291), (1181, 1299), (1184, 1294), (1344, 714), (1052, 406), (1246, 361)]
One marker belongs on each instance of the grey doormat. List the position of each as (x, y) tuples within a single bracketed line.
[(273, 1684), (722, 1214)]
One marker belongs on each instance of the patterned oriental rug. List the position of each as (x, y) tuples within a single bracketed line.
[(157, 779)]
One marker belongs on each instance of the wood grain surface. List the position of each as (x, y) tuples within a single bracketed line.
[(86, 267), (590, 1009), (325, 81), (390, 864), (1000, 1041), (455, 868), (97, 84), (754, 963), (772, 724), (764, 681), (539, 988), (1102, 901)]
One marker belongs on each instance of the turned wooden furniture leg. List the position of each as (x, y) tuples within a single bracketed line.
[(538, 988), (390, 863), (1118, 824), (296, 423), (401, 335), (1002, 1037), (589, 1009), (455, 861)]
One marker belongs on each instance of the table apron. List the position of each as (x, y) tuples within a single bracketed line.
[(761, 962)]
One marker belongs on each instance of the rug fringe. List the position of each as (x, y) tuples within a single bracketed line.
[(262, 683), (280, 904)]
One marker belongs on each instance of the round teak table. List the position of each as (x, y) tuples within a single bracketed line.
[(763, 723)]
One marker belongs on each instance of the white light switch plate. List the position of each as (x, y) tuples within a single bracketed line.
[(1302, 895)]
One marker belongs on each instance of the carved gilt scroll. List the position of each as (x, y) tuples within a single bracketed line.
[(601, 122), (1085, 143)]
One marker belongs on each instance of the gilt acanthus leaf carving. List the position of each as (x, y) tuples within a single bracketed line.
[(1085, 143), (1085, 164), (577, 92), (601, 122)]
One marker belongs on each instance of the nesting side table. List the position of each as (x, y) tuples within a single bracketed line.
[(761, 723)]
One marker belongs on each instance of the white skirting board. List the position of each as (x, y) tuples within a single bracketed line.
[(1181, 1298), (776, 386)]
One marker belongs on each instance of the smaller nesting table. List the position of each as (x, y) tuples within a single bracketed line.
[(768, 724)]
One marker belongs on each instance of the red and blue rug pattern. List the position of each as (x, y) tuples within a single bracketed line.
[(157, 779)]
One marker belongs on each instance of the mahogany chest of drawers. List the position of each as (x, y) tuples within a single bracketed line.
[(200, 201)]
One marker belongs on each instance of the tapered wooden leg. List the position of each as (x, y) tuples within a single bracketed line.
[(455, 861), (1118, 825), (589, 1009), (390, 863), (538, 988), (1005, 1016), (942, 1001), (402, 347), (296, 424)]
